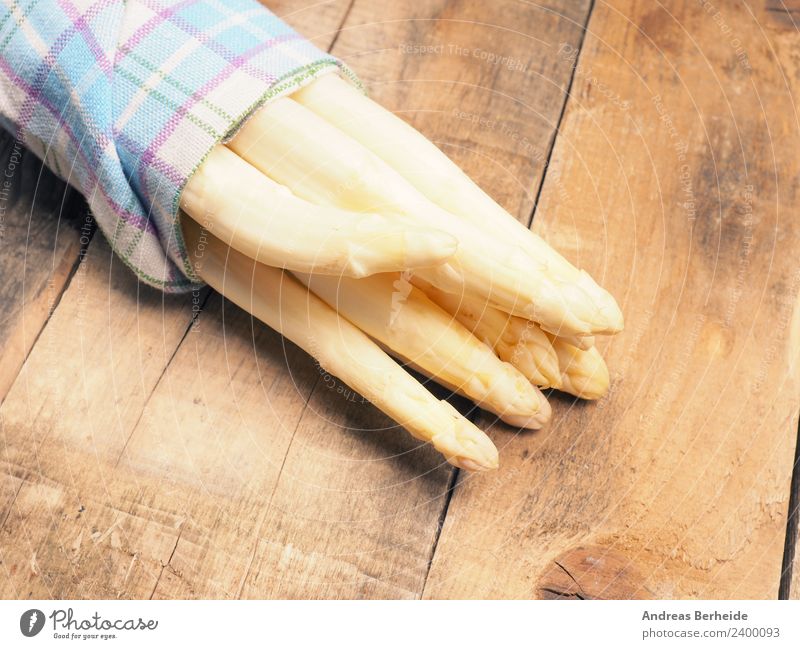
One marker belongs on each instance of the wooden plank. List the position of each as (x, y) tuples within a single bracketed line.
[(70, 412), (40, 240), (337, 502), (672, 181), (790, 577), (779, 21), (317, 21), (71, 503)]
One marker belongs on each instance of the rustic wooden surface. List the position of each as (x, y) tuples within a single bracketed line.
[(147, 454)]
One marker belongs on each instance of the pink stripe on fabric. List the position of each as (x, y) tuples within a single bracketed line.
[(171, 172), (128, 216), (46, 68), (212, 43), (150, 153), (145, 30), (80, 23)]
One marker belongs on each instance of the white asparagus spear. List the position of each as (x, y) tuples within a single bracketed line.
[(546, 360), (519, 342), (265, 221), (427, 168), (584, 373), (342, 349), (320, 163), (412, 327), (581, 342)]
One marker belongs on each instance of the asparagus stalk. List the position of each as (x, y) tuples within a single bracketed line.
[(581, 342), (443, 182), (519, 342), (415, 329), (284, 304), (583, 371), (546, 360), (320, 163), (263, 220)]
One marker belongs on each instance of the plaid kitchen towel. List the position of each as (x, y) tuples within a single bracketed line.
[(124, 99)]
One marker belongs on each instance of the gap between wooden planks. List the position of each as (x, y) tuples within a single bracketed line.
[(782, 25), (150, 533), (45, 226), (672, 181), (106, 504), (83, 390), (41, 232), (354, 515)]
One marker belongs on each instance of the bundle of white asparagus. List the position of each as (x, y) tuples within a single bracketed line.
[(336, 223)]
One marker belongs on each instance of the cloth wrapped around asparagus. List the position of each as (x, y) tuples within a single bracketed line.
[(342, 227)]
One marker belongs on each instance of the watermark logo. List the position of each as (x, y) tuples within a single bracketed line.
[(67, 626), (31, 622)]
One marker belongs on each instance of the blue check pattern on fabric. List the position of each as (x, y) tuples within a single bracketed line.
[(125, 99)]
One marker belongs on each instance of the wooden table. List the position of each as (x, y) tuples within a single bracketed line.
[(655, 144)]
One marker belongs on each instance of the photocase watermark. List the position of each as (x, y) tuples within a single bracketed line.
[(674, 381), (6, 183), (328, 379), (31, 622), (525, 146), (787, 310), (67, 626), (525, 338), (87, 227), (14, 160), (508, 62)]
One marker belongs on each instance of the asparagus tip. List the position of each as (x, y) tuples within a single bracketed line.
[(469, 464), (586, 374), (465, 445), (428, 247), (615, 322)]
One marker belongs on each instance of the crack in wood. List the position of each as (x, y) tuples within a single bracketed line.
[(552, 145), (569, 574), (451, 485), (792, 528), (167, 564), (562, 594)]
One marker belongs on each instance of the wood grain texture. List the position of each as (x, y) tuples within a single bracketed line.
[(780, 21), (354, 507), (317, 21), (145, 454), (67, 418), (240, 478), (672, 181), (41, 226), (79, 516)]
